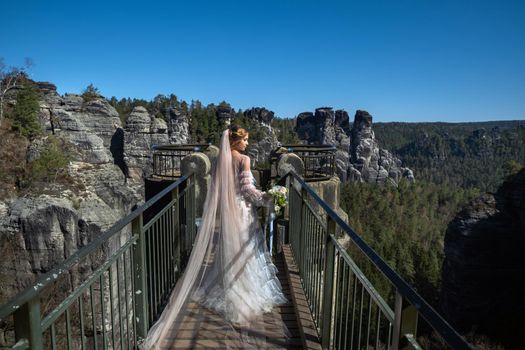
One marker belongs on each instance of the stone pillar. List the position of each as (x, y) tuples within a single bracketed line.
[(200, 164), (212, 152), (329, 190), (290, 161)]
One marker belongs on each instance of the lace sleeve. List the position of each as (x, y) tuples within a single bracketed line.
[(252, 194)]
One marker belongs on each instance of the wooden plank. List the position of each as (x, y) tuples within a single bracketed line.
[(307, 328)]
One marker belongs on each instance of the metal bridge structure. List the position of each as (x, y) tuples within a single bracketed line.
[(339, 297)]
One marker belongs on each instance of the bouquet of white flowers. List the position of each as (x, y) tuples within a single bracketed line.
[(280, 198)]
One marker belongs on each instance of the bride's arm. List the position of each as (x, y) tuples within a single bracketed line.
[(248, 190)]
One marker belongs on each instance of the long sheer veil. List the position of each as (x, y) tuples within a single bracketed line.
[(216, 261)]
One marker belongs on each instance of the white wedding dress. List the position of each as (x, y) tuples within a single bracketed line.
[(251, 286), (229, 272)]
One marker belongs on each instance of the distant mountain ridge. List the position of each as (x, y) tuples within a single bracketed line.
[(394, 135), (463, 154)]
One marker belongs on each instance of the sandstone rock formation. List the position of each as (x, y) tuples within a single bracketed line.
[(484, 266), (260, 151), (359, 157), (317, 128), (88, 125), (39, 232), (261, 115), (178, 126), (95, 128), (142, 132), (225, 113), (372, 163)]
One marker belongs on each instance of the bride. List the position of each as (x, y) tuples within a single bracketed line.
[(229, 273)]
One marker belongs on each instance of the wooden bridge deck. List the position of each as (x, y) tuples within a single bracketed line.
[(202, 329)]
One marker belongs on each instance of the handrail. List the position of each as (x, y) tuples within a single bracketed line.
[(403, 288), (33, 290), (195, 147), (46, 321), (310, 148), (167, 158)]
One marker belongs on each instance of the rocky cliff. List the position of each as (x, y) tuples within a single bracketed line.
[(95, 127), (40, 229), (141, 133), (260, 150), (483, 276), (359, 157)]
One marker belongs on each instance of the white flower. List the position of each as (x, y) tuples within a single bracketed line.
[(280, 197)]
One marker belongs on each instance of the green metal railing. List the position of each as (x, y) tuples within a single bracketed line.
[(346, 307), (129, 271), (167, 159), (318, 160)]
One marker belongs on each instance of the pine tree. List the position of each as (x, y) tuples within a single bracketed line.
[(25, 113), (90, 93)]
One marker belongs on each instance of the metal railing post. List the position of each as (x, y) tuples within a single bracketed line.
[(177, 232), (301, 253), (405, 323), (139, 278), (328, 283), (28, 324)]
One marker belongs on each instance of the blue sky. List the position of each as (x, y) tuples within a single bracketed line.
[(401, 60)]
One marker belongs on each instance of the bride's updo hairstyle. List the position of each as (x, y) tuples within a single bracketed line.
[(237, 134)]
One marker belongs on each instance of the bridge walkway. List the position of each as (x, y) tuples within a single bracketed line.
[(203, 329)]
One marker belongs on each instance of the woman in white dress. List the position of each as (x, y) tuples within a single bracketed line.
[(229, 271)]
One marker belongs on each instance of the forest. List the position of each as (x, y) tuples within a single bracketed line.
[(405, 225)]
